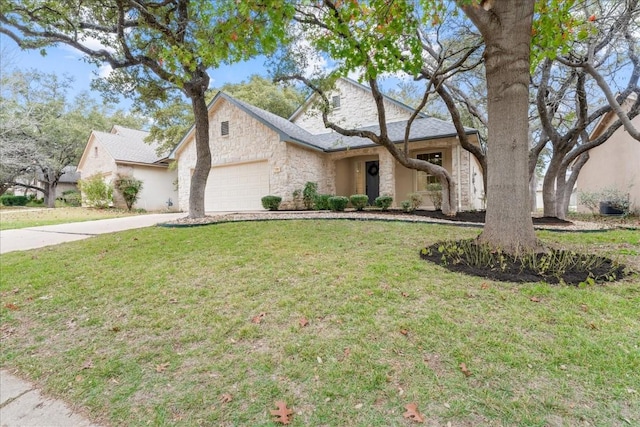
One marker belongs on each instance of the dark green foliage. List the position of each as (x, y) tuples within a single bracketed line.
[(322, 202), (359, 201), (129, 188), (552, 266), (406, 206), (72, 198), (338, 203), (309, 194), (11, 200), (434, 192), (271, 203), (384, 202)]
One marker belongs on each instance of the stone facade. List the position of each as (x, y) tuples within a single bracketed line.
[(357, 109)]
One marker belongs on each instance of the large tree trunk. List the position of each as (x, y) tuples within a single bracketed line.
[(50, 195), (196, 91), (506, 29)]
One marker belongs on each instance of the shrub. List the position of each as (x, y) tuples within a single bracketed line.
[(406, 206), (309, 194), (590, 200), (322, 202), (297, 199), (434, 191), (616, 199), (338, 203), (72, 197), (359, 201), (384, 202), (415, 199), (11, 200), (97, 193), (129, 187), (271, 203)]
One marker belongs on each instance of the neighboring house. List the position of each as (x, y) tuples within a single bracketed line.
[(124, 151), (614, 164), (68, 181), (256, 153)]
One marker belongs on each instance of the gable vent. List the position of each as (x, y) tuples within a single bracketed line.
[(224, 128)]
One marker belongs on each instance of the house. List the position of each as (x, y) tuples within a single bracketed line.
[(256, 153), (68, 181), (124, 151), (614, 164)]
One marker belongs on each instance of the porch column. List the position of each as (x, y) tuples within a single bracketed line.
[(387, 173)]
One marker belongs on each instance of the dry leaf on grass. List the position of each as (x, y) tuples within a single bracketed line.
[(162, 367), (465, 370), (484, 286), (226, 398), (12, 307), (404, 332), (257, 319), (88, 364), (303, 322), (413, 413), (534, 299), (282, 414)]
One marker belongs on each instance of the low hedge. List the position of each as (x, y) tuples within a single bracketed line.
[(359, 201), (271, 203), (11, 200), (338, 203)]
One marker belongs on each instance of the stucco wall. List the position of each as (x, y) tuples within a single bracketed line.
[(157, 187), (96, 161), (614, 164), (357, 109)]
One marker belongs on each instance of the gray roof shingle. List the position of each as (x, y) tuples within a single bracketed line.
[(128, 145)]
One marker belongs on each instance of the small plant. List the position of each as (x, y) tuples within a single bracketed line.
[(322, 202), (415, 199), (297, 199), (11, 200), (359, 201), (72, 198), (591, 200), (616, 199), (96, 192), (434, 192), (129, 188), (309, 194), (338, 203), (406, 206), (271, 203), (384, 202)]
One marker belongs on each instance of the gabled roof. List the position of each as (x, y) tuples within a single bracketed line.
[(128, 145), (402, 105), (422, 128)]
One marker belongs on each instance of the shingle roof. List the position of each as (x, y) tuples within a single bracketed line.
[(422, 128), (128, 145), (69, 175)]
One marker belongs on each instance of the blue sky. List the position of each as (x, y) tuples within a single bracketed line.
[(65, 60)]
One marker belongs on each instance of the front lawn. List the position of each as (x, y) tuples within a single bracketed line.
[(342, 320), (22, 218)]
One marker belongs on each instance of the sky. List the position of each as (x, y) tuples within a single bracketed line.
[(65, 60)]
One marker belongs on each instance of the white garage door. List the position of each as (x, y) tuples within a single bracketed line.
[(237, 187)]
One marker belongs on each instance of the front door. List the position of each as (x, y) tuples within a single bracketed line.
[(372, 180)]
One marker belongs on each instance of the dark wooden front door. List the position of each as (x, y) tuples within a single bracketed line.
[(372, 180)]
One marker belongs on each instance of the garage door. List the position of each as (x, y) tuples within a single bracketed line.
[(237, 187)]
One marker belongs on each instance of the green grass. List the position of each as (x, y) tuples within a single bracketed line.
[(18, 218), (91, 322)]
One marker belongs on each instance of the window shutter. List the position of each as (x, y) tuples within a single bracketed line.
[(224, 128)]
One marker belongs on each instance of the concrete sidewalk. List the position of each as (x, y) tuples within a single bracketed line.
[(22, 405), (38, 237)]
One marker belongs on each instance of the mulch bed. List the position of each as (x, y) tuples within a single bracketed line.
[(468, 216)]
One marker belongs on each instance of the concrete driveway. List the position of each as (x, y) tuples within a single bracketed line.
[(47, 235)]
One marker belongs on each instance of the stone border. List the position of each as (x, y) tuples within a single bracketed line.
[(223, 218)]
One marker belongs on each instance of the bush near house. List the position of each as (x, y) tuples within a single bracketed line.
[(359, 201), (434, 192), (11, 200), (72, 198), (271, 203), (129, 188), (97, 193), (338, 203), (322, 202), (384, 202), (310, 194)]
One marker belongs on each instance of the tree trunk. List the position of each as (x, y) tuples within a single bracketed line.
[(506, 29), (571, 182), (549, 188), (196, 91), (50, 195)]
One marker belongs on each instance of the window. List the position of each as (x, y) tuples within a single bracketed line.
[(224, 128), (95, 151), (424, 178), (335, 102)]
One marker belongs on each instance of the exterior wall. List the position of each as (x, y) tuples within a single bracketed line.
[(301, 166), (357, 109), (614, 164), (248, 141), (157, 187), (96, 162)]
